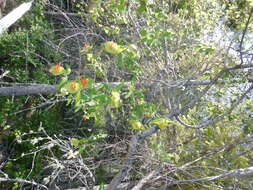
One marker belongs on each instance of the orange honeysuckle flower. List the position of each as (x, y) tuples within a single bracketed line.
[(83, 81), (57, 69), (86, 45), (112, 45), (73, 87), (85, 117)]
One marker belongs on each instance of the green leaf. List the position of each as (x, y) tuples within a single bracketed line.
[(77, 97), (63, 81), (143, 6)]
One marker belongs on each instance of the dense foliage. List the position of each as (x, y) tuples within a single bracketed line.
[(156, 91)]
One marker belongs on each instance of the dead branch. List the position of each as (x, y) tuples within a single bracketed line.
[(19, 180), (236, 173), (122, 186), (28, 90), (146, 179)]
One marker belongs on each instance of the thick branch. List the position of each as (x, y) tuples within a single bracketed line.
[(28, 90), (21, 89)]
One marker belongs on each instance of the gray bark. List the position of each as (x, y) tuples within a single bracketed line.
[(28, 90)]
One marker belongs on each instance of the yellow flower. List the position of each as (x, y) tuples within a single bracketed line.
[(57, 69)]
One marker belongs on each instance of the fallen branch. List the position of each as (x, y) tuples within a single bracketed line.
[(28, 90), (14, 15), (21, 89)]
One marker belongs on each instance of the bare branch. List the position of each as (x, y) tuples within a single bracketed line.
[(28, 90), (19, 180), (146, 179), (236, 173), (122, 186)]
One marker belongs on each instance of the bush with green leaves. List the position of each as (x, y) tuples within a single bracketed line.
[(149, 65)]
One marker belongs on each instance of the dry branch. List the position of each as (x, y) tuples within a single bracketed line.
[(28, 90), (146, 179), (22, 181), (236, 173)]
